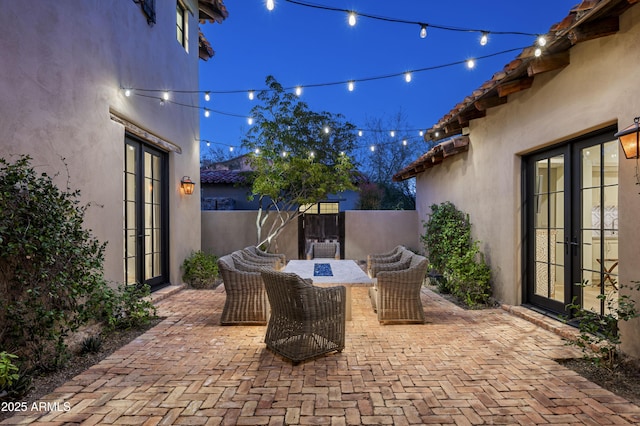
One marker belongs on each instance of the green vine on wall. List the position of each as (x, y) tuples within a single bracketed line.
[(455, 255)]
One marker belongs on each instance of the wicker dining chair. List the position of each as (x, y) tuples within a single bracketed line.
[(396, 295), (246, 299), (327, 250), (258, 252), (305, 321)]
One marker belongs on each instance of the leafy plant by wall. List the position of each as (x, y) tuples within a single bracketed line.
[(48, 263), (454, 254), (200, 270)]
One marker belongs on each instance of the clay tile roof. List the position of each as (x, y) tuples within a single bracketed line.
[(222, 176), (588, 20), (209, 11)]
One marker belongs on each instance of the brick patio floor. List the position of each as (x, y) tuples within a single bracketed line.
[(462, 367)]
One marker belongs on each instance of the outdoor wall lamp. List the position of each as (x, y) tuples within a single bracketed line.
[(187, 185), (630, 139)]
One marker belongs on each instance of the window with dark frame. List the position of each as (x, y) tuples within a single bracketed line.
[(182, 28)]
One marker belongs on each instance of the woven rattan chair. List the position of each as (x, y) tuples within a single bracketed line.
[(305, 321), (403, 263), (248, 256), (387, 257), (261, 253), (324, 250), (246, 302), (396, 295)]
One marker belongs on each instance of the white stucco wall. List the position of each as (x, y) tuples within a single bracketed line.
[(598, 88), (63, 63)]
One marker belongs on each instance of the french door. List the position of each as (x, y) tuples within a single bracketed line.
[(145, 215), (571, 220)]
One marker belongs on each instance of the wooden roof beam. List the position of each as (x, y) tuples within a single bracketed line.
[(548, 63), (515, 86), (489, 102), (593, 30)]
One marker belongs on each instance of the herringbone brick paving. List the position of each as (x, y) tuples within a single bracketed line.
[(461, 368)]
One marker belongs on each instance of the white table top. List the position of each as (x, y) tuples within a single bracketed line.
[(345, 272)]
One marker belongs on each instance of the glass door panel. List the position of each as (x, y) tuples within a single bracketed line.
[(599, 225), (146, 249), (549, 227)]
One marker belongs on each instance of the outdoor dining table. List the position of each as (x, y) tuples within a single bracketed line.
[(331, 272)]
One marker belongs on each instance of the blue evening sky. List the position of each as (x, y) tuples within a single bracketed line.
[(300, 45)]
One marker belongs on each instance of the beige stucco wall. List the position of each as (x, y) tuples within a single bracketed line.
[(224, 231), (378, 231), (598, 88), (365, 232), (63, 63)]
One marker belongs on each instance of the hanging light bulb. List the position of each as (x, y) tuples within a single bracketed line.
[(270, 5), (393, 133), (359, 132), (542, 41), (161, 102), (407, 77), (423, 31), (208, 143), (484, 38), (404, 142), (284, 154), (351, 85), (372, 148), (206, 113), (165, 96), (312, 154), (471, 63), (207, 96), (352, 18), (250, 120), (326, 129), (298, 90), (230, 149), (251, 95), (127, 92), (421, 133), (257, 151), (537, 52)]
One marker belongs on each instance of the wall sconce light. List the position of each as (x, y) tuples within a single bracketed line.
[(630, 139), (187, 185)]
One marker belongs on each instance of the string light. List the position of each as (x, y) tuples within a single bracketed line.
[(484, 38), (471, 63), (351, 85), (352, 18), (251, 95), (298, 90), (360, 133), (393, 133), (127, 92), (207, 113), (326, 130), (542, 41), (165, 95), (250, 120), (231, 149), (373, 148), (537, 52), (407, 77), (270, 5), (404, 142), (207, 96), (423, 30)]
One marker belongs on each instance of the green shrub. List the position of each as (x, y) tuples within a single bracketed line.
[(124, 307), (599, 336), (200, 270), (457, 265), (8, 370), (49, 264)]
